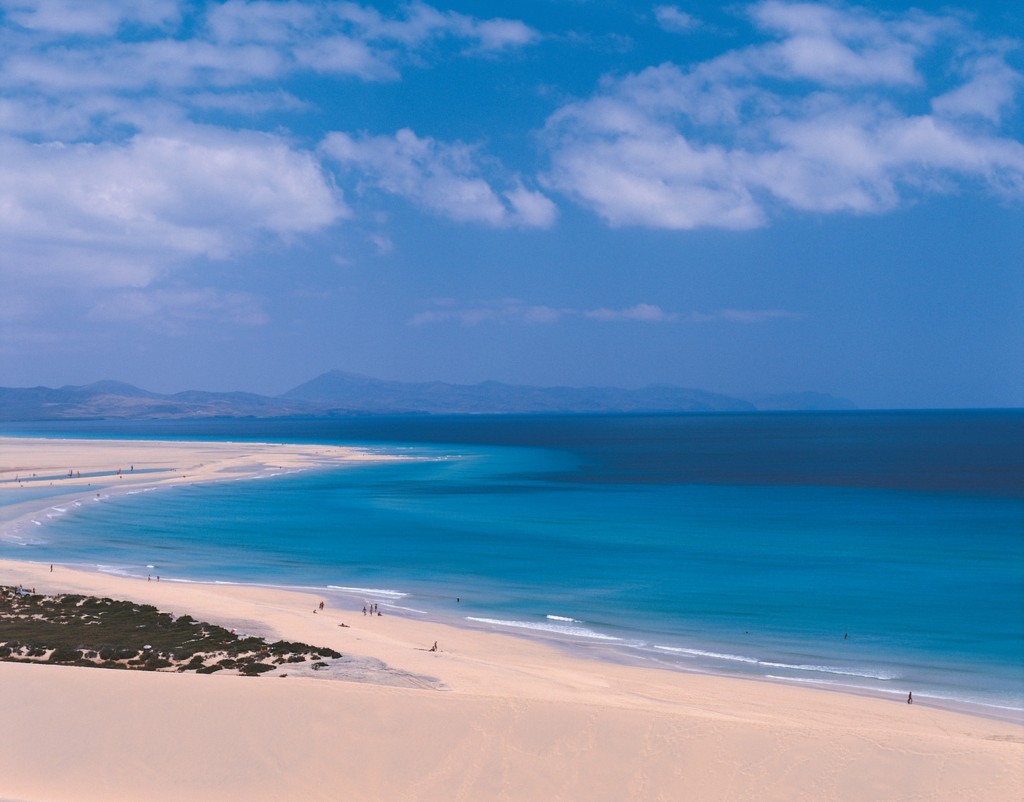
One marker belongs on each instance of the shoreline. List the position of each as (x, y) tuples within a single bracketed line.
[(73, 467), (489, 715), (583, 650), (500, 701), (170, 463)]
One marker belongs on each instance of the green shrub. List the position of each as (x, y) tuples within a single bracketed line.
[(64, 654), (254, 669)]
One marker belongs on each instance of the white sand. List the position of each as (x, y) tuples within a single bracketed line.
[(27, 462), (516, 720)]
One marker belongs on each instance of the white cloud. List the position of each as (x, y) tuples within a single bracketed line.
[(60, 46), (351, 39), (641, 313), (810, 122), (991, 88), (675, 21), (512, 310), (420, 23), (343, 55), (443, 178), (95, 18), (836, 45), (119, 213), (530, 209)]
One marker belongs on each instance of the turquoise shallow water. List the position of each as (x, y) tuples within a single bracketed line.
[(878, 552)]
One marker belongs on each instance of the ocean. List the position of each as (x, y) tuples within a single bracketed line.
[(873, 552)]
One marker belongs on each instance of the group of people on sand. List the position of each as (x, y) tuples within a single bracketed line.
[(371, 610)]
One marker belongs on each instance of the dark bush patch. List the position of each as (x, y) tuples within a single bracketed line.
[(123, 634), (63, 654), (252, 669)]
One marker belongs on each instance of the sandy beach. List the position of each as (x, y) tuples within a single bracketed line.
[(74, 464), (486, 717)]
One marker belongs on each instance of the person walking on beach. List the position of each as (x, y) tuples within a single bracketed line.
[(910, 698)]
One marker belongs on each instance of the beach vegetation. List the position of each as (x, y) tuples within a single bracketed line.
[(73, 629)]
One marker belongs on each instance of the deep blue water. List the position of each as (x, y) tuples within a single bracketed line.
[(880, 551)]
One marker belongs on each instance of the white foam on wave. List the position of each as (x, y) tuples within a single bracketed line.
[(942, 699), (405, 609), (817, 669), (566, 619), (844, 672), (383, 592), (835, 684), (736, 658), (558, 629), (114, 570)]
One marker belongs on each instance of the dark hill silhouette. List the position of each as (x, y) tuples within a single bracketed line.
[(339, 393)]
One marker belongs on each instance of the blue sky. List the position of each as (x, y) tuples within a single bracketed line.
[(747, 198)]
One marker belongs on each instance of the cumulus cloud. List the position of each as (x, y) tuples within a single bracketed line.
[(843, 46), (414, 25), (59, 46), (673, 20), (825, 117), (444, 178), (117, 212), (95, 18), (990, 89), (350, 39), (107, 182)]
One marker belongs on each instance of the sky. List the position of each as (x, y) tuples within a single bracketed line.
[(745, 198)]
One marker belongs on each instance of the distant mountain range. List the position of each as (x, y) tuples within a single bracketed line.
[(337, 393)]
